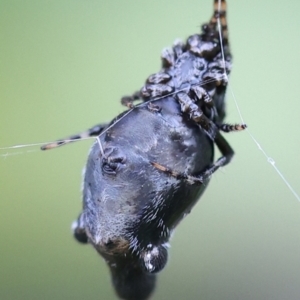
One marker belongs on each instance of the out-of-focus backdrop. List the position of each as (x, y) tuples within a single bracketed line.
[(65, 66)]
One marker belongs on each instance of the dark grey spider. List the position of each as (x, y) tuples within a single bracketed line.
[(150, 165)]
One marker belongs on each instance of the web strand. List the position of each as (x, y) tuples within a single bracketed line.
[(269, 159)]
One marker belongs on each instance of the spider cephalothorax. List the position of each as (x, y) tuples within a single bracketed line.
[(195, 72)]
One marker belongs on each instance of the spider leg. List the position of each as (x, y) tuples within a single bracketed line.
[(168, 58), (128, 100), (222, 15), (181, 175), (178, 48), (202, 94), (207, 100), (196, 114), (229, 128), (156, 86), (94, 131), (227, 154)]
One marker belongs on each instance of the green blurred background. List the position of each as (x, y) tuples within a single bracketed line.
[(64, 66)]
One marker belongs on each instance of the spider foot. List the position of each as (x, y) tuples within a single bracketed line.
[(230, 128)]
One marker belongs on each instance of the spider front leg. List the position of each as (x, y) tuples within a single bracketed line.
[(94, 131), (227, 154), (196, 114), (202, 95), (189, 105)]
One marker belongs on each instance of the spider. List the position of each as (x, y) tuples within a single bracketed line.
[(149, 166)]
